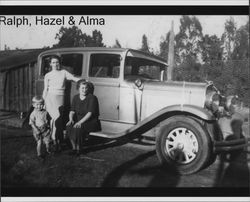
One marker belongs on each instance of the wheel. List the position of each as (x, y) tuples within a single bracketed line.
[(184, 144)]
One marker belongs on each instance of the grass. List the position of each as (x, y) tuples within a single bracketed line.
[(22, 168)]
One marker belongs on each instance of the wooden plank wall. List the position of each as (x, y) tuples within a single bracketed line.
[(19, 87)]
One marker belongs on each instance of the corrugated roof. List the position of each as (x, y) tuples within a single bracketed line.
[(14, 58)]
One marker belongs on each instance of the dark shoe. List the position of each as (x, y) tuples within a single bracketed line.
[(58, 148), (78, 153), (72, 152), (41, 158)]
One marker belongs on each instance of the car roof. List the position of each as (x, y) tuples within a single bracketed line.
[(102, 49)]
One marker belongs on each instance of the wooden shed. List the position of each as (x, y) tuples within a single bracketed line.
[(18, 72)]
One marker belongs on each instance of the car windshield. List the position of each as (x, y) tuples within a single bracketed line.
[(136, 67)]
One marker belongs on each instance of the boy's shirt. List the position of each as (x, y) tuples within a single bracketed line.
[(39, 118)]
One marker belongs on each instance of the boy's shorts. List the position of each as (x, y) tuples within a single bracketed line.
[(44, 134)]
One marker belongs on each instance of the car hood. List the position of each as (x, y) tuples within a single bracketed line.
[(174, 85)]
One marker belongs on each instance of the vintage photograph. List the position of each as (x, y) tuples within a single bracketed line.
[(125, 101)]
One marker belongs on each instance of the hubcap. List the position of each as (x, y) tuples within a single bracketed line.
[(182, 145)]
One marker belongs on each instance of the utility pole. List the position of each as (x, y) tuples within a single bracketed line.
[(170, 67)]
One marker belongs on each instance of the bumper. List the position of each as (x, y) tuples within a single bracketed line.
[(231, 145)]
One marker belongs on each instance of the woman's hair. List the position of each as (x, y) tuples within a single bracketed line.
[(89, 85), (55, 57)]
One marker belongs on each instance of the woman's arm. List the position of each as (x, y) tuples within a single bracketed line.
[(71, 77), (71, 118), (84, 119), (72, 111)]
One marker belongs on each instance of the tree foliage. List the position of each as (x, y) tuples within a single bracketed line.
[(222, 59), (241, 50), (228, 38), (188, 40), (211, 49), (164, 46), (117, 44), (74, 37), (145, 46)]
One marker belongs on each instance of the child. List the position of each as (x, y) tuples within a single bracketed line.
[(40, 124)]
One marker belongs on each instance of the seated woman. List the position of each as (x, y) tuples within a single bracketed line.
[(83, 115)]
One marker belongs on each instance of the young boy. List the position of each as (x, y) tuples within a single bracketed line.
[(39, 121)]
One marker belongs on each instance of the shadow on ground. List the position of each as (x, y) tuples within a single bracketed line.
[(160, 177), (233, 169)]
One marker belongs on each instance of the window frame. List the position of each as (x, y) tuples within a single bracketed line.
[(41, 72), (159, 65), (104, 53)]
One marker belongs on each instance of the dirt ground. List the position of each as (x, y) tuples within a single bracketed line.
[(109, 164)]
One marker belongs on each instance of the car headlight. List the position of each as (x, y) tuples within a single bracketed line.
[(232, 103), (139, 84), (213, 101)]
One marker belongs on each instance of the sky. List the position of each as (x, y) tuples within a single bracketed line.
[(127, 29)]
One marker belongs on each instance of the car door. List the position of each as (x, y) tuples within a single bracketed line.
[(104, 73)]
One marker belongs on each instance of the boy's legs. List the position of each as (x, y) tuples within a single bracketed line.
[(46, 141), (39, 147)]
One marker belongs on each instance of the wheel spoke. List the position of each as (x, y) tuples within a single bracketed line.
[(184, 142), (171, 150), (186, 156), (171, 143)]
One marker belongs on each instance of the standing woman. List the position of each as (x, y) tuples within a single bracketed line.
[(53, 94), (83, 116)]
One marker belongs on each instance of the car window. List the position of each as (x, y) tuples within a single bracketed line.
[(104, 65), (142, 67), (70, 62)]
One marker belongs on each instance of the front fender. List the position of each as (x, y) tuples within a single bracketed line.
[(190, 109), (163, 114)]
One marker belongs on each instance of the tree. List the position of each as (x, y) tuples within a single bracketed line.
[(188, 40), (228, 38), (73, 37), (211, 49), (145, 47), (117, 44), (96, 39), (189, 70), (188, 50), (164, 46), (6, 48), (241, 50), (69, 37)]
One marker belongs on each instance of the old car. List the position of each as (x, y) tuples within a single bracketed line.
[(187, 119)]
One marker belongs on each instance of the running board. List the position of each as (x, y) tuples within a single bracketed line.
[(108, 135), (105, 135)]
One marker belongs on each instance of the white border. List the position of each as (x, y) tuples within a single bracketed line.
[(128, 2)]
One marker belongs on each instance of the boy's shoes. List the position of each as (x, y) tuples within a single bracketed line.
[(41, 158), (58, 148), (72, 152), (78, 153)]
